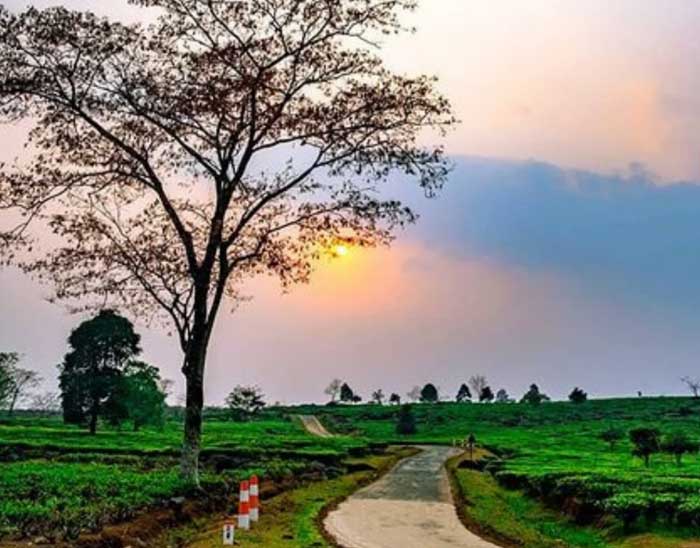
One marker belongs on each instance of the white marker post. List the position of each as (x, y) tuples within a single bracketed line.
[(229, 533)]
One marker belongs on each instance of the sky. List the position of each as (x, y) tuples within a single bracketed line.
[(565, 249)]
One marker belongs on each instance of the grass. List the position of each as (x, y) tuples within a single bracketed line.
[(511, 518), (292, 519)]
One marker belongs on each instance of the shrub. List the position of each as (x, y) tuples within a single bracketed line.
[(406, 425), (628, 507)]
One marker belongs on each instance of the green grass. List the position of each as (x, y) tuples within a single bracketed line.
[(510, 515), (292, 518)]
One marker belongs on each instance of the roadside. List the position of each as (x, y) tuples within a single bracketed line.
[(512, 519), (292, 518)]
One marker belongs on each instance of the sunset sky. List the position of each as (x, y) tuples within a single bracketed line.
[(565, 249)]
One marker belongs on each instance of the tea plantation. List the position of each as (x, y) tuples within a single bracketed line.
[(58, 481)]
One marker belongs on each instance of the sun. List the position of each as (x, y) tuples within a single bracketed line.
[(341, 250)]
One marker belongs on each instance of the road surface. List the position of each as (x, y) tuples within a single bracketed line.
[(410, 507), (313, 426)]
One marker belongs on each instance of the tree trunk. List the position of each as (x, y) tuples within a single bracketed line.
[(194, 376), (11, 410)]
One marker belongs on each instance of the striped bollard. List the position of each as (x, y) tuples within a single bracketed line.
[(244, 506), (229, 533), (254, 499)]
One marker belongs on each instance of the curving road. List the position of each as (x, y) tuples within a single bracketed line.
[(410, 507)]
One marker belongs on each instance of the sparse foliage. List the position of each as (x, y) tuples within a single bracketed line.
[(8, 362), (153, 144), (378, 397), (477, 384), (46, 403), (333, 390), (693, 385), (414, 394), (22, 380)]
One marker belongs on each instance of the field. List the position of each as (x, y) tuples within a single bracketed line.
[(57, 481), (544, 465)]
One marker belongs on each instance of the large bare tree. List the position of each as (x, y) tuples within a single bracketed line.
[(228, 138)]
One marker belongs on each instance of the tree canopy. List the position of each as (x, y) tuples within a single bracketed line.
[(100, 349), (228, 139)]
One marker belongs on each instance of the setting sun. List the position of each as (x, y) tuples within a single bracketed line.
[(341, 250)]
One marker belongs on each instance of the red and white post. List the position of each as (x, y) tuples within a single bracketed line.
[(244, 506), (254, 499)]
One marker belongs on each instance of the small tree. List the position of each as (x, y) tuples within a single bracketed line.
[(406, 425), (46, 403), (429, 394), (22, 380), (414, 394), (678, 444), (693, 385), (346, 393), (356, 398), (477, 383), (645, 442), (503, 397), (244, 402), (8, 362), (333, 390), (486, 395), (378, 397), (395, 399), (612, 436), (471, 444), (463, 395), (533, 396), (578, 396)]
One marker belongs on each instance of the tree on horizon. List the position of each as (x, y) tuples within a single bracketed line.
[(463, 395), (171, 162), (429, 394)]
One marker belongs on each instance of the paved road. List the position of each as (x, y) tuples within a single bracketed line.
[(410, 507), (314, 427)]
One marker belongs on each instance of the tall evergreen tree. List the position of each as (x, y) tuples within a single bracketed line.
[(100, 350)]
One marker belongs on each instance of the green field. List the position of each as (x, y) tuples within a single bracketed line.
[(548, 467)]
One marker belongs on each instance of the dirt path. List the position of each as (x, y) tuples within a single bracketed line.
[(411, 507), (313, 426)]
